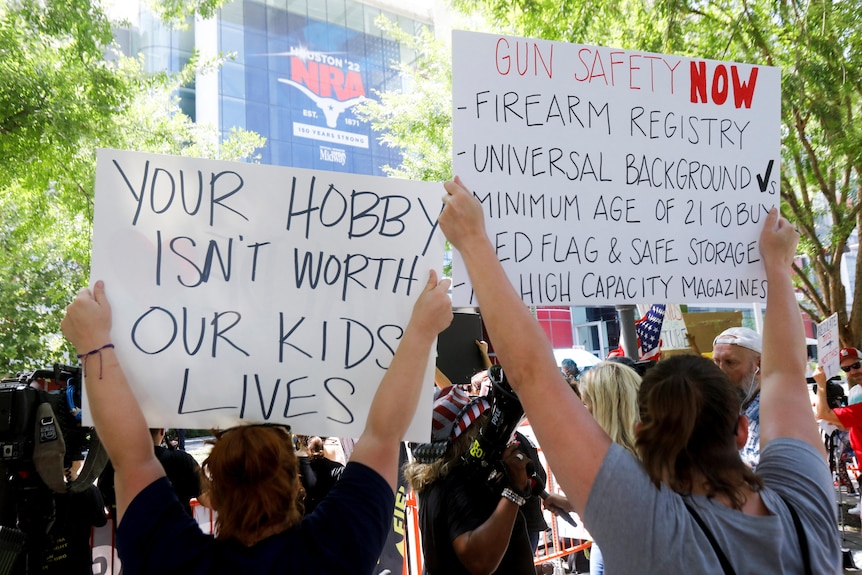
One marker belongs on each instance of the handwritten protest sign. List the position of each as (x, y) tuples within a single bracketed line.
[(673, 331), (260, 293), (828, 346), (614, 176)]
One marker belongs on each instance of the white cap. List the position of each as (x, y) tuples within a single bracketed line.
[(741, 336)]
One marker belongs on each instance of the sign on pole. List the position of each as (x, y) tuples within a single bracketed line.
[(615, 176), (828, 346), (257, 293)]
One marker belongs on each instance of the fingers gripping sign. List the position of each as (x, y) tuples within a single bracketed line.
[(778, 241), (461, 220), (88, 319)]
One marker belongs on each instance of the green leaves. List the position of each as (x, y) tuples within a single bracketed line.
[(60, 99)]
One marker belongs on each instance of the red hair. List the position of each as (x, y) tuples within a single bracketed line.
[(254, 483)]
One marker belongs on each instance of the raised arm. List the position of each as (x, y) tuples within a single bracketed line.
[(117, 416), (785, 406), (397, 395), (556, 414), (823, 411)]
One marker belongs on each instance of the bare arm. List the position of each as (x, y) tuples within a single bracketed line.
[(785, 408), (397, 395), (483, 352), (557, 415), (482, 549), (117, 416), (824, 412), (440, 379)]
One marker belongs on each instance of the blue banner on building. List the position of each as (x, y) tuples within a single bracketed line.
[(315, 73)]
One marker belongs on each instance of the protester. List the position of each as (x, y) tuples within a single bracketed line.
[(570, 371), (849, 417), (181, 469), (851, 364), (693, 506), (75, 514), (252, 469), (609, 391), (737, 352), (317, 473), (467, 526)]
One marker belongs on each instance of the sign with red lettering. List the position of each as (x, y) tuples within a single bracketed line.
[(829, 346), (612, 176), (257, 293)]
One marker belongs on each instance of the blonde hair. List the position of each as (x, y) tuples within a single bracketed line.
[(610, 392)]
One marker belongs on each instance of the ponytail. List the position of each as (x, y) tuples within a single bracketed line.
[(689, 413)]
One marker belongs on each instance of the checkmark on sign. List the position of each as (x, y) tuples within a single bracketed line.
[(764, 181)]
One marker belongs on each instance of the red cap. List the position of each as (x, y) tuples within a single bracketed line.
[(849, 353)]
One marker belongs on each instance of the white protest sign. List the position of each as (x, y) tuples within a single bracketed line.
[(828, 346), (612, 176), (257, 293)]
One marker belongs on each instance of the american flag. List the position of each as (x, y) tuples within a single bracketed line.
[(648, 329)]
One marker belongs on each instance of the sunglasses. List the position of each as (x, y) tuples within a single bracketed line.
[(847, 368)]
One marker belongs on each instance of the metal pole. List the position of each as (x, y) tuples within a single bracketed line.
[(628, 336)]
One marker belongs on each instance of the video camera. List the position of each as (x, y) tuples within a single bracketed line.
[(40, 436), (835, 396), (19, 402), (504, 416)]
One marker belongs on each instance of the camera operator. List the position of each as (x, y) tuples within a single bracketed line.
[(469, 527), (69, 551)]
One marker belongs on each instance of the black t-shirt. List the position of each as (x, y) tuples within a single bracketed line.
[(183, 472), (459, 503), (181, 468), (318, 477), (69, 551)]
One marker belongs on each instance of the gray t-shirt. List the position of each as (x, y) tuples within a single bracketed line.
[(645, 530)]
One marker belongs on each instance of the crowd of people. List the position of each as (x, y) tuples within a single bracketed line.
[(696, 466)]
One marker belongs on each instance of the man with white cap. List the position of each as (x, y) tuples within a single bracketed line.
[(736, 351)]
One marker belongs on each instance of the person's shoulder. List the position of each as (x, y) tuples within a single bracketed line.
[(177, 456), (854, 410)]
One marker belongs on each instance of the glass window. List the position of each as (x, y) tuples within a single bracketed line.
[(302, 156), (391, 18), (336, 12), (255, 50), (257, 85), (232, 41), (232, 114), (257, 117), (232, 12), (281, 153), (317, 10), (233, 80), (371, 15), (355, 18), (298, 6), (276, 24), (254, 16)]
